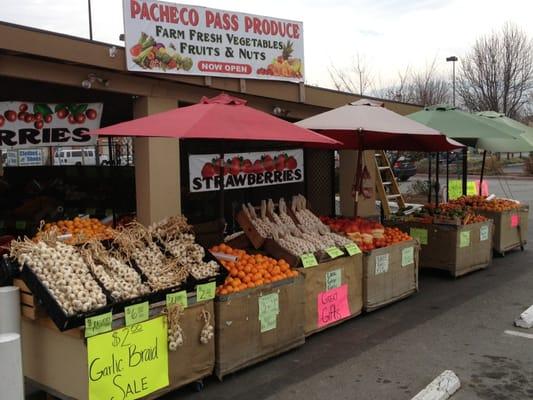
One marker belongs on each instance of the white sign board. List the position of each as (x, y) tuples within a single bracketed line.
[(192, 40), (28, 125), (245, 170)]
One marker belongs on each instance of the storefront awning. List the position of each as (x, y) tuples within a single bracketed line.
[(220, 118), (366, 124)]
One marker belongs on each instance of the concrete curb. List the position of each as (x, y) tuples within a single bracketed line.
[(526, 319), (442, 387), (442, 178)]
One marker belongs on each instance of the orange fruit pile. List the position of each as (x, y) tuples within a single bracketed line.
[(81, 229), (250, 271), (391, 236)]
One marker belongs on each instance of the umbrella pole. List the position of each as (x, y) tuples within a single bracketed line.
[(465, 166), (437, 185), (358, 173), (429, 177), (447, 175), (221, 205), (482, 172)]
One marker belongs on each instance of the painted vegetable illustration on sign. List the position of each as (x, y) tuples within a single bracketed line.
[(284, 65), (149, 54)]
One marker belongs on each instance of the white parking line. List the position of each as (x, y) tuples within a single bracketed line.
[(520, 334)]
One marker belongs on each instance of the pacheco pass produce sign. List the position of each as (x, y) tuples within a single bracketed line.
[(245, 170), (25, 125), (182, 39)]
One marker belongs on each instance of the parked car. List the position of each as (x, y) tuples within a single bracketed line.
[(78, 157), (404, 168)]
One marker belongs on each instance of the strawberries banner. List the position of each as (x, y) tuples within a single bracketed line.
[(245, 170)]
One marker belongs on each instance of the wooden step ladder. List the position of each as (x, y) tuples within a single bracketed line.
[(386, 185)]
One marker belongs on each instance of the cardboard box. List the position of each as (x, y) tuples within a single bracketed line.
[(459, 249), (320, 312), (510, 228), (390, 274), (57, 361), (257, 324)]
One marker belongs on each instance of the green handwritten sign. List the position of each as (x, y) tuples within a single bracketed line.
[(455, 188), (408, 256), (484, 233), (420, 234), (98, 324), (20, 225), (352, 249), (137, 313), (268, 304), (268, 322), (334, 252), (128, 363), (309, 260), (206, 291), (177, 298), (333, 279), (464, 239)]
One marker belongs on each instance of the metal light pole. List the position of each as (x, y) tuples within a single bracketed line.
[(90, 20), (453, 59)]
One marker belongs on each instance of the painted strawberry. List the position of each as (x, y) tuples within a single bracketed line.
[(280, 162), (291, 163), (247, 166), (268, 163), (208, 170), (258, 167), (235, 166), (217, 165)]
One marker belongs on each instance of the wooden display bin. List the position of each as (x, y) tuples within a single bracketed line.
[(239, 340), (56, 362), (510, 228), (326, 276), (458, 249), (390, 274)]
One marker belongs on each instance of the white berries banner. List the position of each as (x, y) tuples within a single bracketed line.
[(182, 39), (27, 125), (245, 170)]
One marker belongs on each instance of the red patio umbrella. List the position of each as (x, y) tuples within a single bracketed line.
[(222, 117)]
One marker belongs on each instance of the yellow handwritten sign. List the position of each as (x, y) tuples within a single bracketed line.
[(128, 363), (455, 188), (98, 324), (206, 291)]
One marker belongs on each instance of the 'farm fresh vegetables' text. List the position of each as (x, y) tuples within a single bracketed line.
[(183, 39), (238, 171)]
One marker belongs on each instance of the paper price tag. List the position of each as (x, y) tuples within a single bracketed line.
[(382, 264), (333, 279), (309, 260), (464, 239), (352, 249), (484, 233), (408, 256), (334, 252), (268, 322), (332, 306), (268, 304), (177, 298), (515, 220), (136, 313), (98, 324), (420, 234), (206, 291)]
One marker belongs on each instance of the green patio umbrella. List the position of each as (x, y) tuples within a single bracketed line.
[(523, 142), (472, 130)]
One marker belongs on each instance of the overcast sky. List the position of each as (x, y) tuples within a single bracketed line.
[(390, 34)]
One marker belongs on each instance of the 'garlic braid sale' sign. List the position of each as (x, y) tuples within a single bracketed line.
[(191, 40), (244, 170)]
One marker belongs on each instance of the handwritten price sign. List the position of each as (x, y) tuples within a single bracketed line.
[(128, 363)]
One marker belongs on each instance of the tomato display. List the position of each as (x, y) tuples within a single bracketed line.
[(481, 203)]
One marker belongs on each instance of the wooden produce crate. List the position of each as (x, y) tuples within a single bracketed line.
[(510, 228), (333, 292), (257, 324), (390, 274), (458, 249), (249, 229), (56, 362)]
